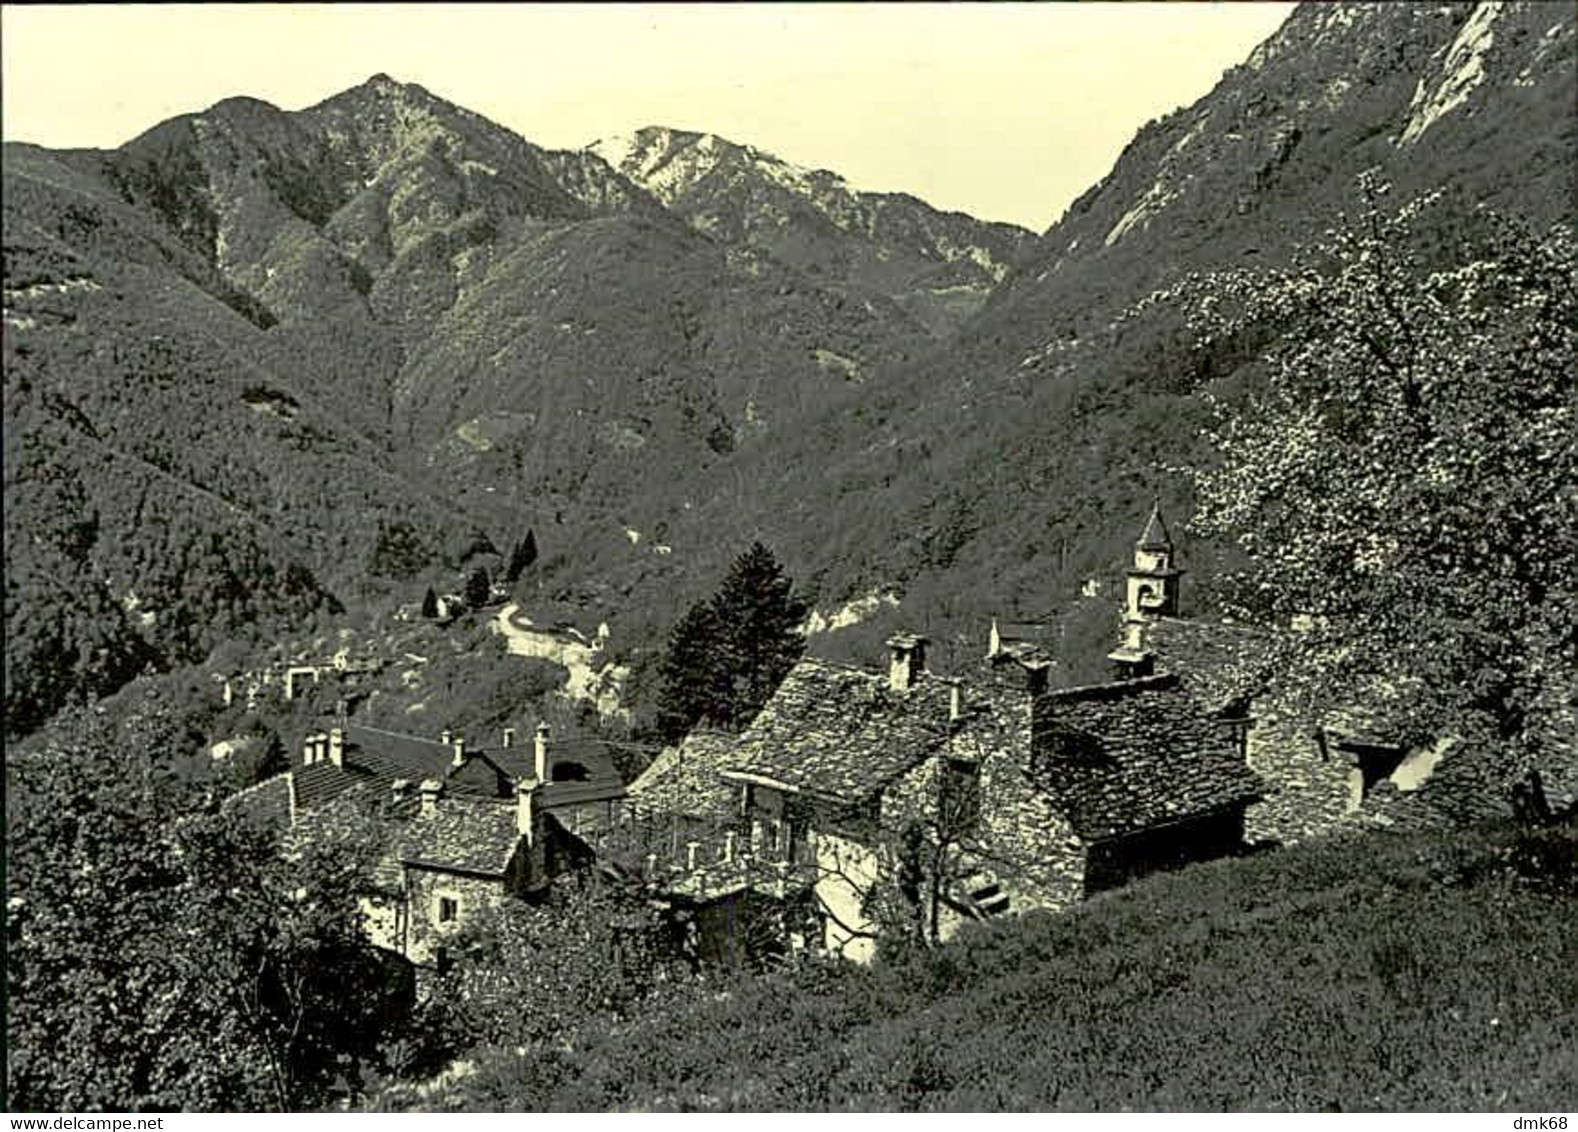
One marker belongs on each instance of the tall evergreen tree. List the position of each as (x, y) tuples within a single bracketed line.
[(524, 554), (430, 603), (478, 586), (759, 620), (727, 655), (688, 691)]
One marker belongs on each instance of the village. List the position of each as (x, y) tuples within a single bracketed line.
[(859, 799)]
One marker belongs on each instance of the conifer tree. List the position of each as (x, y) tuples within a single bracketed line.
[(524, 554), (688, 690), (430, 603), (478, 586), (727, 655), (759, 619)]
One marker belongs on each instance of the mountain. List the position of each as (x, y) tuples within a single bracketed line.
[(1001, 472), (368, 342), (939, 266), (350, 342), (1475, 98)]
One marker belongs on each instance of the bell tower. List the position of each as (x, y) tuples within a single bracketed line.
[(1151, 593)]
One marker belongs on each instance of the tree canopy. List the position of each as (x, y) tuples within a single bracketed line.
[(728, 654), (522, 555), (532, 971), (164, 955), (478, 587), (1405, 481)]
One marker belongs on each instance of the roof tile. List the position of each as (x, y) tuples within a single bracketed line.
[(1127, 756)]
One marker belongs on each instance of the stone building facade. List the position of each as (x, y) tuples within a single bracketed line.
[(460, 829), (958, 799)]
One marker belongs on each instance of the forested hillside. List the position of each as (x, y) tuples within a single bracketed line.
[(368, 341), (331, 351), (999, 473)]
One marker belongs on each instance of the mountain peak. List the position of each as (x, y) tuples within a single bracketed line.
[(385, 85), (382, 90), (669, 162)]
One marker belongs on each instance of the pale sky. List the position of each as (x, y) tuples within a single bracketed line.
[(1006, 111)]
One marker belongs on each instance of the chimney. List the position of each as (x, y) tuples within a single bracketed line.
[(446, 737), (994, 641), (526, 810), (509, 738), (1036, 674), (309, 750), (907, 661), (955, 702), (400, 788), (432, 789), (337, 747), (540, 752), (460, 751)]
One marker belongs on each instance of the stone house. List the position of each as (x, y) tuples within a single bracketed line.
[(969, 797), (1337, 769), (461, 829)]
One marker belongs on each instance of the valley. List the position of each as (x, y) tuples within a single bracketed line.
[(428, 550)]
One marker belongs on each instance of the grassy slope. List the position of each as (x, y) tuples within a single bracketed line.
[(1388, 973)]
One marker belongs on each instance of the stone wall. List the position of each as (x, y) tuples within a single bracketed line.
[(1019, 841), (1306, 791), (846, 872), (424, 887)]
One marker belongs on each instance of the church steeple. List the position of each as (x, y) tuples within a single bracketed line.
[(1155, 537), (1151, 593)]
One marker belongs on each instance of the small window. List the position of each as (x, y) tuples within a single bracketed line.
[(448, 909), (1239, 728)]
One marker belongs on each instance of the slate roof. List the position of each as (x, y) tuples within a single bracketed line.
[(464, 834), (1155, 536), (1122, 757), (320, 783), (602, 782), (1025, 651), (686, 779), (1476, 783), (841, 732), (267, 803), (1220, 662), (389, 755)]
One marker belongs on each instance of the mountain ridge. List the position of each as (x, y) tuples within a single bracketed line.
[(940, 264), (424, 287)]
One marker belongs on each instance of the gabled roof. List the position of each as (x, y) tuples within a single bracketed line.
[(1119, 758), (469, 835), (321, 782), (1155, 536), (841, 732), (267, 803), (388, 755), (687, 779), (1221, 663), (601, 781)]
